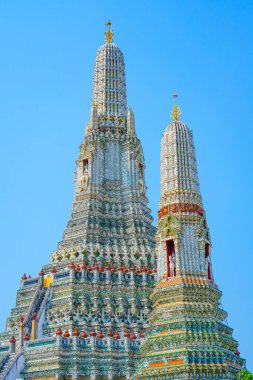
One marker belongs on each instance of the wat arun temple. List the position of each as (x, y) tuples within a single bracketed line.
[(121, 298)]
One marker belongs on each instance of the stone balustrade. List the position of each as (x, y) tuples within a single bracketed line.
[(90, 343)]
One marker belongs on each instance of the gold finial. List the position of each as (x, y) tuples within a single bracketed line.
[(109, 33), (176, 112)]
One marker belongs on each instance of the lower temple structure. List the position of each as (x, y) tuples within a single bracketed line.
[(86, 324), (120, 298)]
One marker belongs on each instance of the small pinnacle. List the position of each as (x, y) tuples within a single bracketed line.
[(109, 33), (176, 112)]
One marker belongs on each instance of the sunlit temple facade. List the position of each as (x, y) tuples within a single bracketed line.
[(122, 299)]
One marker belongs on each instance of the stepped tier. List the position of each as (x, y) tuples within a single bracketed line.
[(96, 356), (86, 296), (95, 300), (111, 215)]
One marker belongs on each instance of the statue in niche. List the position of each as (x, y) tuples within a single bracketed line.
[(172, 265), (141, 186), (208, 267), (84, 179), (140, 182)]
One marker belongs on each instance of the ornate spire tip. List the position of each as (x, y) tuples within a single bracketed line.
[(109, 33), (176, 112)]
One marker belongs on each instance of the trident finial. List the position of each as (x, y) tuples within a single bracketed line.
[(176, 112), (109, 33)]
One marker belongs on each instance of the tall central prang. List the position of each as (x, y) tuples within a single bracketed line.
[(110, 220), (85, 314)]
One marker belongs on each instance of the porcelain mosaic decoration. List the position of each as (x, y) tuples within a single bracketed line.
[(120, 298)]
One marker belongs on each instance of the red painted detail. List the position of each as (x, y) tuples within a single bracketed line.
[(76, 332), (58, 332)]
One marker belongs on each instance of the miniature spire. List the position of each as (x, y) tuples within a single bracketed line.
[(130, 121), (109, 33), (176, 112)]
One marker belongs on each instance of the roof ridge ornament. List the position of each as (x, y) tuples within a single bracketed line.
[(176, 111), (109, 33)]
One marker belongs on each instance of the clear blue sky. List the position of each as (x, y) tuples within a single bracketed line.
[(200, 49)]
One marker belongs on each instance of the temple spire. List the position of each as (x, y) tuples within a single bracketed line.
[(176, 112), (109, 33), (186, 300), (109, 83)]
